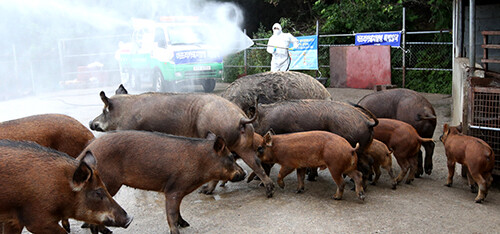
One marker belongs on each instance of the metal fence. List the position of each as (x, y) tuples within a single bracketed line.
[(427, 53)]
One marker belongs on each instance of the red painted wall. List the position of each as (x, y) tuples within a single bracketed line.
[(360, 66)]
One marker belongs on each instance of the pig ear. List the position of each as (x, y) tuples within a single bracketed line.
[(104, 98), (121, 90), (84, 171), (271, 131), (219, 144), (211, 136), (268, 139), (445, 128)]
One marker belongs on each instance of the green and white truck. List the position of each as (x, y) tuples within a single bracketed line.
[(167, 54)]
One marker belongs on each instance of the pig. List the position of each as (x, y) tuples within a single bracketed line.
[(174, 165), (270, 87), (352, 123), (410, 107), (472, 152), (41, 186), (405, 141), (382, 157), (312, 149), (184, 114), (56, 131)]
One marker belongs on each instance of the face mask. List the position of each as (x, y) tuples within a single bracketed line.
[(276, 32)]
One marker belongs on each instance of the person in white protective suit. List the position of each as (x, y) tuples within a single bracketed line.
[(278, 46)]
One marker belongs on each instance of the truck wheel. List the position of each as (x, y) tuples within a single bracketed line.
[(158, 81), (209, 85)]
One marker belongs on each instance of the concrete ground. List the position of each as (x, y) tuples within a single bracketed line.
[(425, 206)]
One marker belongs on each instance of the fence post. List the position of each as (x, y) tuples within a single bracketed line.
[(14, 55), (245, 55), (472, 37), (60, 45), (404, 46)]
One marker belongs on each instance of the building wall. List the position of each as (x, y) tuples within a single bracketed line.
[(487, 19)]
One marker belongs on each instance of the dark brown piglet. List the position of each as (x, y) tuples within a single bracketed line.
[(472, 152), (312, 149), (41, 186), (165, 163)]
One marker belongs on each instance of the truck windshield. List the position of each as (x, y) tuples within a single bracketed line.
[(186, 34)]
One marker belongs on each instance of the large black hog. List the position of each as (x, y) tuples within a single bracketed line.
[(56, 131), (271, 87), (165, 163), (410, 107), (41, 186), (190, 115), (354, 124)]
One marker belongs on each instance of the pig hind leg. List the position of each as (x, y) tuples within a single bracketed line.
[(413, 168), (358, 180), (472, 184), (482, 187), (404, 165), (301, 174), (339, 180), (376, 169)]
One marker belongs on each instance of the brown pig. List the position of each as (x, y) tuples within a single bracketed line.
[(472, 152), (56, 131), (312, 149), (382, 157), (405, 141), (41, 186), (184, 114), (165, 163)]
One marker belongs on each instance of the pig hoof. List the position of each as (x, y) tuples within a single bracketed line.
[(337, 198), (480, 200), (270, 190), (299, 190), (361, 196), (311, 178), (183, 223), (206, 190), (394, 186), (447, 185), (408, 181), (373, 183)]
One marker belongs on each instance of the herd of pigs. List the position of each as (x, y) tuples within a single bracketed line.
[(52, 168)]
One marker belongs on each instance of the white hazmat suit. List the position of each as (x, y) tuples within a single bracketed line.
[(277, 46)]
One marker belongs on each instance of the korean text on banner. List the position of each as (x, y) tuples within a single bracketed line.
[(305, 57), (381, 38)]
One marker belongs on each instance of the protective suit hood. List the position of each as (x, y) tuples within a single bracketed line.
[(276, 29)]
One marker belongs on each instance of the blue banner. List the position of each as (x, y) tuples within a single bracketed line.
[(196, 56), (305, 57), (381, 38)]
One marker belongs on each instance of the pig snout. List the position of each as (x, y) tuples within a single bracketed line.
[(95, 126), (118, 219), (239, 174)]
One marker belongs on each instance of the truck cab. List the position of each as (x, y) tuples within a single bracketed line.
[(168, 54)]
